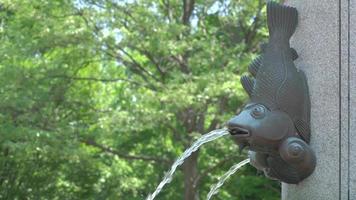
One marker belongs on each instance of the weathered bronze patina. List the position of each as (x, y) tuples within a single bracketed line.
[(275, 123)]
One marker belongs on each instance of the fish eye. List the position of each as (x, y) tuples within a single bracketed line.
[(258, 111)]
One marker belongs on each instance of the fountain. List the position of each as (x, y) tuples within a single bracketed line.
[(213, 135), (275, 123), (215, 188)]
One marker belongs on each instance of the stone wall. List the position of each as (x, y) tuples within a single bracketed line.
[(326, 42)]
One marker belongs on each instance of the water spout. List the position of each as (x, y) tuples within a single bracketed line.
[(213, 135), (215, 188)]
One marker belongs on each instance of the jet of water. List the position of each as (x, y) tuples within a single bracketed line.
[(202, 140), (215, 188)]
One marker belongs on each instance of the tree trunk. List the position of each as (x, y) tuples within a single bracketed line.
[(188, 7), (190, 170)]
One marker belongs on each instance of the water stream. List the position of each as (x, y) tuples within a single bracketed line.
[(215, 188), (213, 135)]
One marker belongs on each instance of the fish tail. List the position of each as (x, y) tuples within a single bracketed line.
[(281, 19)]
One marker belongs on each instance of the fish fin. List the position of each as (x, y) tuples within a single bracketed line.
[(255, 65), (294, 54), (282, 170), (303, 129), (258, 160), (247, 84), (303, 125), (241, 148), (281, 19), (306, 106)]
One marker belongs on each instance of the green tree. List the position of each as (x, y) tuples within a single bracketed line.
[(100, 96)]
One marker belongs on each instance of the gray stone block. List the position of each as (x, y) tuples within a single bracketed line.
[(326, 42)]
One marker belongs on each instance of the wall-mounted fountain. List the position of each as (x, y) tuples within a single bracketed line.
[(280, 125), (275, 122)]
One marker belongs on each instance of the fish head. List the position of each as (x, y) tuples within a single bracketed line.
[(260, 128)]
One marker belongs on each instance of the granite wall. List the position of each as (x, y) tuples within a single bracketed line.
[(326, 42)]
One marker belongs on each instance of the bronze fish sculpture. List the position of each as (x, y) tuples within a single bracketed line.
[(275, 122)]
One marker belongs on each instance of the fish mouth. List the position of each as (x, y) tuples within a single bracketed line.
[(239, 126), (239, 131)]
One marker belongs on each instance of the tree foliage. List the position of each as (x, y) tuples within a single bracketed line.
[(98, 97)]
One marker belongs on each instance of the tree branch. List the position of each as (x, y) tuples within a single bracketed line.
[(182, 63), (133, 68), (133, 64), (167, 6), (92, 143), (96, 79), (222, 106), (251, 33), (137, 64), (188, 7), (153, 60)]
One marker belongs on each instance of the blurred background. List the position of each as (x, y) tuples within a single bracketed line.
[(99, 97)]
